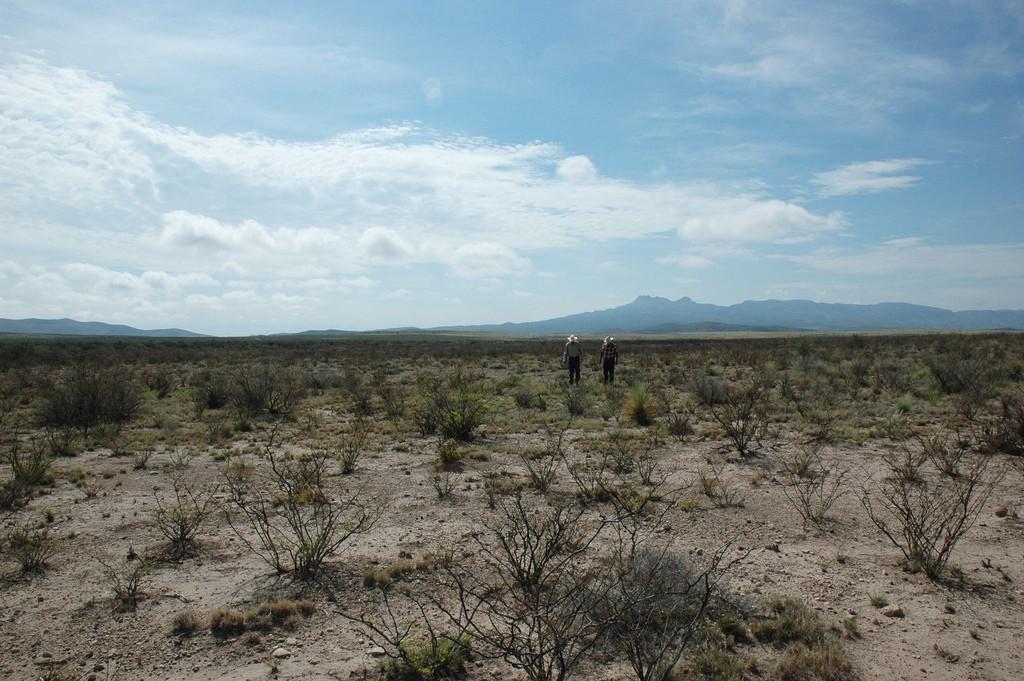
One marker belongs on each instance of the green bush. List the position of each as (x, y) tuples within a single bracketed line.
[(87, 397), (263, 389), (210, 390), (429, 659), (451, 405), (448, 452)]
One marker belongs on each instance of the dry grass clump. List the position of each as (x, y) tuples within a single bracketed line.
[(400, 569), (225, 623), (823, 662), (717, 664), (279, 614), (185, 623), (811, 651), (790, 622)]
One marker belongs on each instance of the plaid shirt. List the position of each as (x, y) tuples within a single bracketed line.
[(609, 352)]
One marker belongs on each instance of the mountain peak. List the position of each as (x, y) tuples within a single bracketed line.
[(651, 299)]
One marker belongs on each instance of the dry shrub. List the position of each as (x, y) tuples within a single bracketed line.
[(299, 518), (925, 513), (32, 549), (1005, 431), (125, 579), (180, 519), (741, 410), (812, 486)]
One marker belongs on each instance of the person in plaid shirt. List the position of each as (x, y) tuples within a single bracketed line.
[(609, 358)]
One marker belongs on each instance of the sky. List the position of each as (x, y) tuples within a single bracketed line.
[(255, 167)]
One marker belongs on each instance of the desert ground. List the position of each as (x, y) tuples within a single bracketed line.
[(431, 506)]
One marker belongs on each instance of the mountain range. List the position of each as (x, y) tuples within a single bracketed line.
[(646, 314), (650, 314), (70, 327)]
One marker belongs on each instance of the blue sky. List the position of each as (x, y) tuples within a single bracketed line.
[(240, 168)]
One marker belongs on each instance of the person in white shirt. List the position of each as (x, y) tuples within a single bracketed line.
[(573, 356)]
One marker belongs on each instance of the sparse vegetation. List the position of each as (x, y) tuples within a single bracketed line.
[(564, 542)]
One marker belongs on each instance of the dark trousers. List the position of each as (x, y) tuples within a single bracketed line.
[(609, 370), (574, 369)]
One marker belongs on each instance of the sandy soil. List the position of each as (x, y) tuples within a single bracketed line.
[(64, 619)]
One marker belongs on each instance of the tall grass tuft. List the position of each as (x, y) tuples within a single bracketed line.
[(640, 405)]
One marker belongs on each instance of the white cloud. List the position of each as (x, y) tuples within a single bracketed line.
[(486, 260), (181, 228), (577, 169), (688, 261), (397, 294), (750, 219), (914, 256), (433, 93), (256, 217), (401, 184), (839, 60), (360, 282), (68, 139), (868, 177), (385, 244), (100, 279), (287, 300)]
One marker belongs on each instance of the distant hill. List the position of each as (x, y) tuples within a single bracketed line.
[(70, 327), (653, 315), (715, 327), (319, 332)]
